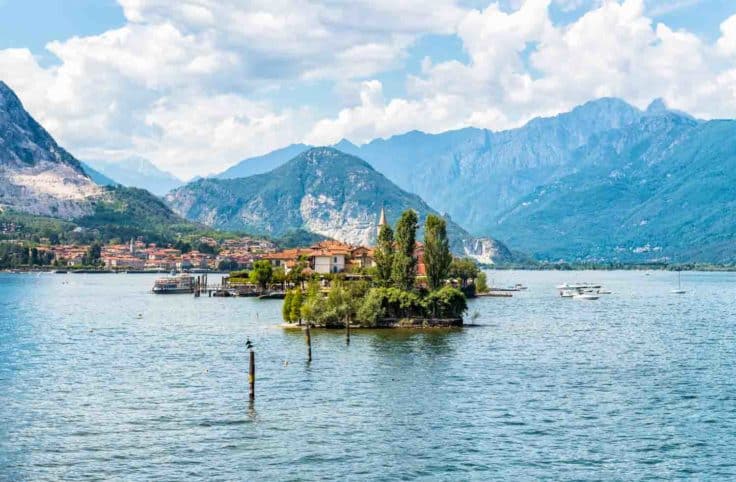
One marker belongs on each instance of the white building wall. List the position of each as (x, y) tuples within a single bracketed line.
[(329, 264)]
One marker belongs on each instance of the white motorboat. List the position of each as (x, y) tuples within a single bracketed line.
[(568, 293), (586, 296)]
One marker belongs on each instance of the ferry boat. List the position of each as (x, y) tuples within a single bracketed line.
[(585, 291), (174, 285), (579, 286)]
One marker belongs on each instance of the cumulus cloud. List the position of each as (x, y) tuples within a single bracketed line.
[(183, 82), (195, 85), (522, 66)]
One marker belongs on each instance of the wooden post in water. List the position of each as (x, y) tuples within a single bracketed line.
[(347, 331), (309, 343), (252, 376)]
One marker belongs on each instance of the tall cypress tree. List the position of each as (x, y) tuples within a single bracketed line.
[(437, 257), (384, 254), (404, 270)]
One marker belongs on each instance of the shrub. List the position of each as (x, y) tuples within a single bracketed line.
[(447, 302)]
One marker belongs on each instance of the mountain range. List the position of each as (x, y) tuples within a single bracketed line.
[(603, 182), (475, 174), (322, 191), (660, 188)]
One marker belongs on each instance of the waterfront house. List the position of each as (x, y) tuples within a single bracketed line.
[(324, 257)]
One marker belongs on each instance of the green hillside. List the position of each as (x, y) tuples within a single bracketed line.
[(667, 194)]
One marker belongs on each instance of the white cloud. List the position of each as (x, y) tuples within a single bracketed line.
[(374, 117), (727, 43), (191, 132), (184, 83), (522, 66)]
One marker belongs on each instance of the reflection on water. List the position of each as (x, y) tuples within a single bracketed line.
[(102, 380)]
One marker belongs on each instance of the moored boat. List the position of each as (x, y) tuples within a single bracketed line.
[(181, 284), (273, 295), (679, 290), (586, 296)]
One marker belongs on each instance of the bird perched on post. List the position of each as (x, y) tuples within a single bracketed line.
[(248, 344)]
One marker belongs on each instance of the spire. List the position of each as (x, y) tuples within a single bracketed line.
[(382, 219)]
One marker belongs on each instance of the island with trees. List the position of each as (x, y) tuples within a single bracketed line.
[(392, 295)]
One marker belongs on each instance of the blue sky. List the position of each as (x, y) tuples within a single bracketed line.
[(196, 85)]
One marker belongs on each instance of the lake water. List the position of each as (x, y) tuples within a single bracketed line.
[(639, 384)]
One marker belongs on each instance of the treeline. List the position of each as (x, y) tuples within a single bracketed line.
[(13, 255)]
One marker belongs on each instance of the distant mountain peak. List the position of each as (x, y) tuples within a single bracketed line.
[(603, 104), (137, 171), (260, 164), (345, 146), (327, 156), (657, 106)]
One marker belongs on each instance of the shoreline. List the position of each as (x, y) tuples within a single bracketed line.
[(454, 325)]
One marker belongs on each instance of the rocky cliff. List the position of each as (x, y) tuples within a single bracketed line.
[(36, 175)]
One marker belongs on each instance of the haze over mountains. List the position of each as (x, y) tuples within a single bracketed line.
[(137, 172)]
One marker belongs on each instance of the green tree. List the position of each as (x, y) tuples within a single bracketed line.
[(404, 268), (295, 314), (286, 307), (437, 257), (312, 304), (262, 273), (371, 310), (339, 305), (183, 246), (481, 283), (463, 269), (296, 274), (279, 276), (92, 257), (384, 255), (446, 302)]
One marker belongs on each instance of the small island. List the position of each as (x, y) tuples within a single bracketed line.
[(392, 293)]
